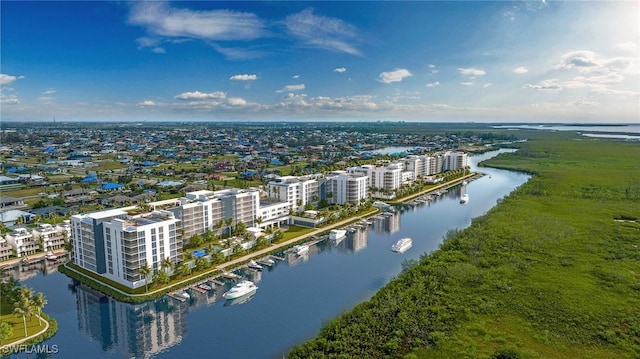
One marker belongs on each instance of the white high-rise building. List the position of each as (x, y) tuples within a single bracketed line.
[(116, 243), (415, 165), (383, 180), (345, 187), (454, 160), (297, 191)]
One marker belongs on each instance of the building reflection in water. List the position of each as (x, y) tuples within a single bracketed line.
[(23, 271), (136, 330), (387, 222)]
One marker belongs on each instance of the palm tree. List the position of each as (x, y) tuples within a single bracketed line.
[(25, 293), (166, 264), (39, 301), (259, 221), (23, 308), (183, 269), (219, 225), (229, 223), (144, 271)]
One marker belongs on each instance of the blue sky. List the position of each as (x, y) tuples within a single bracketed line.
[(488, 61)]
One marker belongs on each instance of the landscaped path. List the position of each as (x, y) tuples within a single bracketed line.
[(20, 341)]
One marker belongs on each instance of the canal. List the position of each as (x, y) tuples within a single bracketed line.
[(296, 296)]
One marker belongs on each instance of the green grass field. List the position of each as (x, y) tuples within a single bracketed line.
[(548, 273)]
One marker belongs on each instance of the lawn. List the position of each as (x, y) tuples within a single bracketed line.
[(18, 329), (296, 231)]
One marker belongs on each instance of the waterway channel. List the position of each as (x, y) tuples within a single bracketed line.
[(295, 298)]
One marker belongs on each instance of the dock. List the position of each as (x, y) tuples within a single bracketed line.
[(230, 275), (278, 258), (198, 289), (177, 297), (216, 282)]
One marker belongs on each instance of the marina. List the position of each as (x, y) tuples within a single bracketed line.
[(361, 261)]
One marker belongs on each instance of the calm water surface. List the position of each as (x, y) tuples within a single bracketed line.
[(294, 299)]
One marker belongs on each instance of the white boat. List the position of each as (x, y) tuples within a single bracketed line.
[(270, 261), (50, 256), (337, 234), (243, 288), (253, 265), (464, 183), (184, 294), (402, 245), (239, 300), (300, 249), (464, 198)]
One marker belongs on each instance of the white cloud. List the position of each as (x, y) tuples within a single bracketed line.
[(545, 85), (295, 76), (466, 83), (243, 77), (583, 103), (301, 103), (160, 19), (471, 71), (8, 79), (197, 95), (238, 53), (49, 92), (46, 100), (340, 69), (520, 70), (159, 50), (236, 101), (322, 32), (488, 84), (394, 76), (9, 99), (582, 61), (433, 84), (146, 41), (594, 73), (291, 88), (147, 103)]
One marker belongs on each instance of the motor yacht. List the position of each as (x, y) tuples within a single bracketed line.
[(402, 245), (243, 288), (253, 265)]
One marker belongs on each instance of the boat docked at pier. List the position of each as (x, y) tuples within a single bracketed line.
[(335, 234), (50, 256), (241, 289), (464, 198), (300, 249), (402, 245), (253, 265)]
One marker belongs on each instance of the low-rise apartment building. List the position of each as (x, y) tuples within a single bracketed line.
[(5, 249), (22, 242)]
